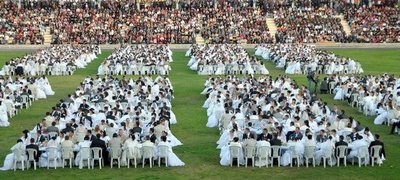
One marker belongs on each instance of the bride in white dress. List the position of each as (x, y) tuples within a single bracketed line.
[(249, 69), (340, 92), (173, 159), (40, 94), (220, 68), (171, 138), (290, 69), (217, 110), (3, 115), (43, 83), (9, 161), (287, 155), (226, 155)]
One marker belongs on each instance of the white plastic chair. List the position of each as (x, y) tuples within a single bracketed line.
[(32, 153), (294, 155), (309, 153), (134, 157), (148, 152), (250, 153), (85, 156), (67, 154), (362, 154), (26, 102), (52, 156), (80, 136), (163, 153), (263, 152), (19, 156), (97, 155), (327, 154), (11, 110), (276, 154), (116, 155), (235, 153), (341, 153), (375, 151)]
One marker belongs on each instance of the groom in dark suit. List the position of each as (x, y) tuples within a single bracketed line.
[(97, 142), (32, 145), (378, 142), (296, 135)]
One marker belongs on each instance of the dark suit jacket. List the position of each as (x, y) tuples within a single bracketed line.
[(260, 136), (153, 138), (101, 144), (245, 136), (276, 142), (377, 142), (341, 143), (34, 146), (296, 136), (40, 139), (92, 138)]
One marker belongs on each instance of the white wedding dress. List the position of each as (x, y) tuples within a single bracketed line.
[(9, 160), (173, 159), (3, 116), (225, 156), (339, 93)]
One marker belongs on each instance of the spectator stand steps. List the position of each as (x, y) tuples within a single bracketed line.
[(345, 24), (271, 26), (47, 36), (199, 39)]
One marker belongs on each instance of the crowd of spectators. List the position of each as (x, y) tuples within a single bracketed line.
[(376, 24), (308, 25), (227, 24), (21, 26), (178, 22)]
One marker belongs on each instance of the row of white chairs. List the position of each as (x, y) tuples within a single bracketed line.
[(269, 153), (13, 108), (90, 155), (50, 71)]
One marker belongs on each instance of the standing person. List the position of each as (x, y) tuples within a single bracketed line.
[(311, 80)]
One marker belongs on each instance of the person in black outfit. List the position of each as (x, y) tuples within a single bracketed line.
[(67, 129), (152, 136), (264, 135), (90, 135), (341, 142), (378, 142), (97, 142), (275, 141), (394, 125), (324, 86), (32, 145)]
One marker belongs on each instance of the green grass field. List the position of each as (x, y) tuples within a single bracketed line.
[(199, 150)]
